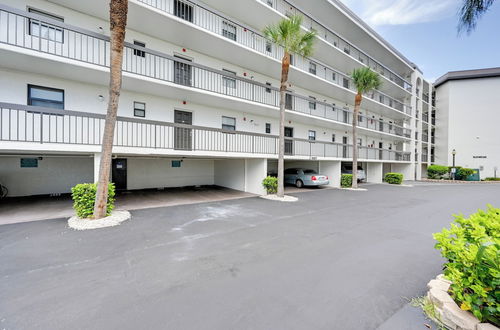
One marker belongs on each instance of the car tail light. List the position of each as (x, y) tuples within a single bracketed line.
[(326, 177), (314, 178)]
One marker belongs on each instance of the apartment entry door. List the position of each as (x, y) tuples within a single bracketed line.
[(182, 72), (288, 141), (344, 147), (119, 173), (183, 136)]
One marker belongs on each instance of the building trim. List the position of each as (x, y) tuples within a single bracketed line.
[(468, 74)]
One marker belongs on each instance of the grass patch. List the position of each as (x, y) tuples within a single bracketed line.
[(429, 310)]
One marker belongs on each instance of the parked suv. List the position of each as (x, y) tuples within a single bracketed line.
[(304, 177), (347, 169)]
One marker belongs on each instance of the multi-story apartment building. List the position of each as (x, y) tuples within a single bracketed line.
[(468, 119), (200, 95)]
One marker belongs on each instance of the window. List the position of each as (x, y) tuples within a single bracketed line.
[(360, 141), (312, 135), (183, 10), (360, 117), (291, 59), (268, 128), (44, 30), (334, 76), (270, 3), (139, 109), (268, 90), (138, 52), (229, 82), (291, 171), (312, 67), (45, 97), (346, 50), (312, 104), (333, 137), (288, 101), (345, 82), (269, 47), (228, 123), (229, 30), (381, 98)]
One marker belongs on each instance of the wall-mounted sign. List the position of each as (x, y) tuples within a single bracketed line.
[(479, 157), (29, 162), (176, 163)]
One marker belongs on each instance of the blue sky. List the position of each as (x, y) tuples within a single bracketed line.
[(425, 32)]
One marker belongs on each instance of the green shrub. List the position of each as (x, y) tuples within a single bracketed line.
[(346, 180), (83, 195), (437, 171), (394, 178), (270, 183), (472, 248), (463, 173), (492, 179)]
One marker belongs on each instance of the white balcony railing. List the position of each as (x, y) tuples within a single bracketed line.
[(21, 123), (85, 46), (205, 18)]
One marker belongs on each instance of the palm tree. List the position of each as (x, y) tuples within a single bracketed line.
[(289, 35), (118, 21), (365, 80), (470, 12)]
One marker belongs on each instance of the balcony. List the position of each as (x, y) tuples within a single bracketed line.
[(286, 8), (53, 127), (425, 117), (241, 34), (64, 41)]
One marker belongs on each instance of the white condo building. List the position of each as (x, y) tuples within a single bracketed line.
[(200, 96), (468, 120)]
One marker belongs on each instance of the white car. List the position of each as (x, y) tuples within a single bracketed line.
[(347, 169)]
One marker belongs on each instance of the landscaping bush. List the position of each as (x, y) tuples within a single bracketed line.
[(270, 183), (393, 178), (463, 173), (83, 195), (437, 171), (346, 180), (492, 179), (471, 247)]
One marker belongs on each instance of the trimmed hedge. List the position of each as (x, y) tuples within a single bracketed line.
[(492, 179), (346, 180), (472, 248), (270, 183), (83, 195), (393, 178), (437, 171), (463, 173)]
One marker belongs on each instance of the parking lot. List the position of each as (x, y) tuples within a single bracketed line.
[(335, 259)]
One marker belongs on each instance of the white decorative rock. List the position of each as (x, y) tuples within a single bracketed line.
[(114, 219), (439, 297), (280, 199), (442, 278), (439, 285)]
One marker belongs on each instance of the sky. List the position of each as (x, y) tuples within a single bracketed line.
[(425, 31)]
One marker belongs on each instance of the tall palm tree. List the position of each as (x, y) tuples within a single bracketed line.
[(288, 34), (118, 21), (365, 80), (470, 12)]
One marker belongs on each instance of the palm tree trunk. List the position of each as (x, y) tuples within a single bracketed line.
[(118, 21), (357, 104), (285, 66)]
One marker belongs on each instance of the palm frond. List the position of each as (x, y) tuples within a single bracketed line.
[(470, 12), (365, 79), (288, 34)]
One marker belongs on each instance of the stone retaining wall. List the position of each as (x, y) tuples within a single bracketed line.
[(448, 311)]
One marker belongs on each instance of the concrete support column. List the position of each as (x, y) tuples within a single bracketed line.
[(408, 170), (97, 164), (255, 172), (374, 172), (332, 170)]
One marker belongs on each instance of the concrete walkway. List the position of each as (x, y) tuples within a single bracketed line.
[(335, 259)]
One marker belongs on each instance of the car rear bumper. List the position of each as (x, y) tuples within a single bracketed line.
[(317, 183)]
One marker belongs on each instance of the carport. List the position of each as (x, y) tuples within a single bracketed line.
[(328, 168)]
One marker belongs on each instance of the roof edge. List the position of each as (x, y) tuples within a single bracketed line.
[(467, 74)]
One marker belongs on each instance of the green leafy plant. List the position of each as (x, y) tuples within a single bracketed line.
[(83, 195), (463, 173), (492, 179), (346, 180), (472, 248), (437, 171), (270, 183), (393, 178)]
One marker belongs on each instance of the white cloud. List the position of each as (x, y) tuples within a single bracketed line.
[(399, 12)]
